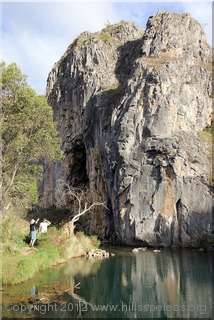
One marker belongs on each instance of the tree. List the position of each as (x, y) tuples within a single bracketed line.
[(76, 196), (29, 135)]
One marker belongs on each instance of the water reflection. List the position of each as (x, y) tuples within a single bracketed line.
[(170, 284)]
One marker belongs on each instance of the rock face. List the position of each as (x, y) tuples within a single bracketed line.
[(129, 105)]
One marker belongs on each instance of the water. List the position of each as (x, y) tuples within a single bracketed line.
[(170, 284)]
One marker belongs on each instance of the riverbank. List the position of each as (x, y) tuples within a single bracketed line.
[(21, 262)]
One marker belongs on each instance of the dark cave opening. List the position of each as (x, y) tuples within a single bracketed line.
[(77, 165)]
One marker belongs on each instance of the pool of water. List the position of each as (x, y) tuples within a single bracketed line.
[(168, 284)]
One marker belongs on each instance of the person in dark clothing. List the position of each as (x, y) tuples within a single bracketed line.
[(33, 231)]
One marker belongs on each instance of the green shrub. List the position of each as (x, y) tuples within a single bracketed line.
[(80, 234), (95, 241), (14, 231), (87, 242), (206, 136), (206, 241)]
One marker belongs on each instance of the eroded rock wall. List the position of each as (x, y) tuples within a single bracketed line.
[(129, 105)]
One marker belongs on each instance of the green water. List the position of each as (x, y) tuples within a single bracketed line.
[(170, 284)]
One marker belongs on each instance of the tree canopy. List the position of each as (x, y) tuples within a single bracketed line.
[(29, 135)]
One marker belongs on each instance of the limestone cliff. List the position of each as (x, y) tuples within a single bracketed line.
[(129, 104)]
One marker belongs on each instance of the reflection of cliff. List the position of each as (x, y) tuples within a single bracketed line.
[(110, 281), (135, 282), (137, 285), (175, 278)]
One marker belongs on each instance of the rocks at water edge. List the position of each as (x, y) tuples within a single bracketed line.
[(98, 253), (139, 249)]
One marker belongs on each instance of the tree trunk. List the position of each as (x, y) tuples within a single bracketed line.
[(68, 229)]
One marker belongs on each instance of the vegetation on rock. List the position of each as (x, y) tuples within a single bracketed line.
[(206, 136)]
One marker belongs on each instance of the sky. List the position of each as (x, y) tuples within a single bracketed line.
[(35, 34)]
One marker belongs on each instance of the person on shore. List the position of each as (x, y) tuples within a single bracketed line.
[(33, 231), (43, 227)]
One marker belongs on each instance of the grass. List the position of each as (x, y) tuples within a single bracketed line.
[(115, 93), (20, 263), (154, 61), (167, 56), (206, 136), (206, 241), (110, 87), (207, 66)]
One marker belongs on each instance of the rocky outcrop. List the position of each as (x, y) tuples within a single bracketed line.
[(129, 105)]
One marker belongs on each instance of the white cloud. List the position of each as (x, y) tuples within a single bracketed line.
[(35, 35)]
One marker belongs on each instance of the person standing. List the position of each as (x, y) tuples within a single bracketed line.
[(33, 231), (43, 227)]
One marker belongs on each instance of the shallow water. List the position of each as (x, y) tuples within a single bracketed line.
[(167, 284)]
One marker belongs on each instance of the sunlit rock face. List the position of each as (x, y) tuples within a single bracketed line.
[(129, 104)]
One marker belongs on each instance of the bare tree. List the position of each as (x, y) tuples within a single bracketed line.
[(76, 196)]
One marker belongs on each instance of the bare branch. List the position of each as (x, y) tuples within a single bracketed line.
[(77, 216), (65, 193), (11, 182)]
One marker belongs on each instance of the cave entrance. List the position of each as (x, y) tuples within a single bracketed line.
[(77, 164)]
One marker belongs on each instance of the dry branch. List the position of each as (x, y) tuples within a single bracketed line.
[(66, 193)]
